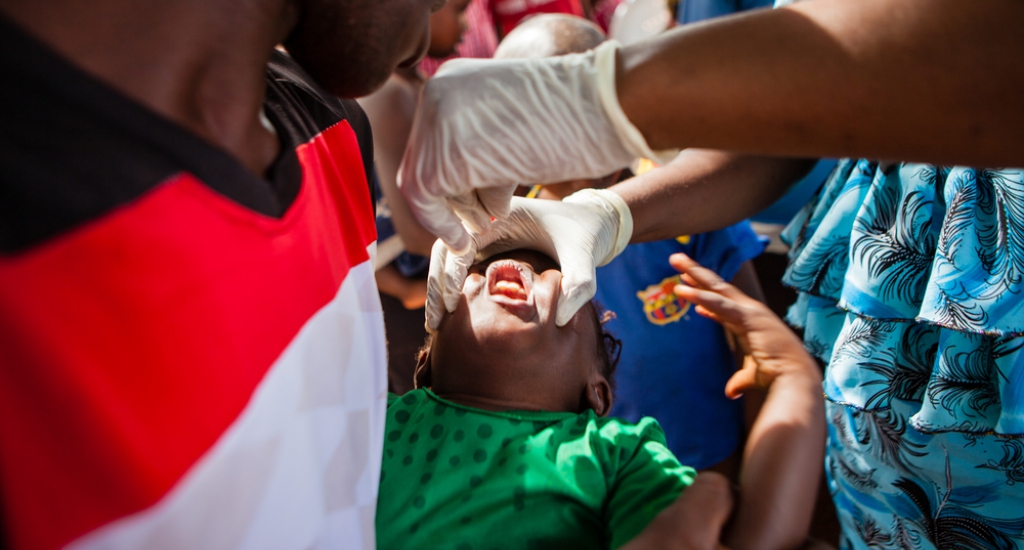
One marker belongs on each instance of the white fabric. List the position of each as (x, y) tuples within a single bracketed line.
[(387, 250), (484, 126), (587, 229), (300, 466)]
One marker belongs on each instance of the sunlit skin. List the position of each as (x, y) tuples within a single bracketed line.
[(501, 350)]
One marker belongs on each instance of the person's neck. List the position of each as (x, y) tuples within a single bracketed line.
[(199, 63), (497, 404), (411, 74), (491, 389)]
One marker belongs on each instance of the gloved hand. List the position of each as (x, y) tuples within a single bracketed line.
[(585, 230), (484, 126)]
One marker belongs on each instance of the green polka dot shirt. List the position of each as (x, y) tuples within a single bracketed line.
[(455, 477)]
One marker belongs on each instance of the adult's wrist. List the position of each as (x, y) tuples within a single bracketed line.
[(615, 208), (606, 61)]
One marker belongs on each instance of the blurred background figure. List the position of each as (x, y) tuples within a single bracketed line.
[(509, 13), (487, 20), (479, 40)]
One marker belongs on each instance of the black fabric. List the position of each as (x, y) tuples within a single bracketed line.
[(289, 87), (72, 148)]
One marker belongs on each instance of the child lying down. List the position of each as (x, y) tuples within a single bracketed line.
[(505, 445)]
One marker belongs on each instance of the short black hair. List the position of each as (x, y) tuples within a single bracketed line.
[(609, 348)]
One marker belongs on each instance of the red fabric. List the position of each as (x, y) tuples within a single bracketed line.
[(508, 13), (129, 345), (603, 13)]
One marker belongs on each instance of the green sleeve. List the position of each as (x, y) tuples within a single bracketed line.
[(392, 397), (647, 480)]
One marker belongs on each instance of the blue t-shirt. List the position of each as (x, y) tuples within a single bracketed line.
[(692, 11), (675, 363)]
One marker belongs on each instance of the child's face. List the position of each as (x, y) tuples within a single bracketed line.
[(446, 28), (502, 345)]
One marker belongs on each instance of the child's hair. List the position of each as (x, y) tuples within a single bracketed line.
[(609, 348), (550, 34)]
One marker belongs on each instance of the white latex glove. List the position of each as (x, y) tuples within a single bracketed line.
[(584, 231), (484, 126)]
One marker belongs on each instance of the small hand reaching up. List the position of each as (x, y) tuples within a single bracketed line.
[(784, 452), (761, 335)]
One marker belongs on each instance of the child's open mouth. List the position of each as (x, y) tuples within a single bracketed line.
[(510, 279)]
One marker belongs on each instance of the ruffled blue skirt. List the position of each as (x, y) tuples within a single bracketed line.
[(910, 281)]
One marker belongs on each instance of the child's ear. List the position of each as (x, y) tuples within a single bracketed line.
[(421, 376), (598, 394)]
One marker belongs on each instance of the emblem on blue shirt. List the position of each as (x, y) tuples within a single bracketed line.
[(661, 305)]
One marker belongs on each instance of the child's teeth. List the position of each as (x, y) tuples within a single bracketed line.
[(508, 285)]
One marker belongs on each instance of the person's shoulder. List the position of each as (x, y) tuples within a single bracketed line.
[(410, 398), (306, 108), (623, 433), (301, 110), (399, 89), (395, 101)]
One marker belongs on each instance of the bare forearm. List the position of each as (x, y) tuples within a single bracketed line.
[(918, 80), (703, 190), (782, 461), (746, 280), (390, 110)]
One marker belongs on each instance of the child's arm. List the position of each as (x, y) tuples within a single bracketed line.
[(391, 111), (411, 292), (746, 280), (785, 447)]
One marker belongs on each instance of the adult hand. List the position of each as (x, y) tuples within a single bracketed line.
[(485, 126), (585, 230)]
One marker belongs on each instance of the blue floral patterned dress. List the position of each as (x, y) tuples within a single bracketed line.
[(910, 281)]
